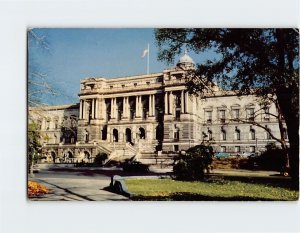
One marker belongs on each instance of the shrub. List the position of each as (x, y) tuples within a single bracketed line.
[(272, 158), (192, 164), (100, 159)]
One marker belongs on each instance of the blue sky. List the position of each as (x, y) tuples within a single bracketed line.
[(75, 54)]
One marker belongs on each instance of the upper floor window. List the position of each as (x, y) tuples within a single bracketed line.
[(235, 114), (250, 114), (266, 113), (222, 116), (208, 117)]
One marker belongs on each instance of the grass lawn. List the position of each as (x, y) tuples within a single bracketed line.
[(214, 190)]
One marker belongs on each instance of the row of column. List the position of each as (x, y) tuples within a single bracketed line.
[(170, 102), (169, 106), (93, 104)]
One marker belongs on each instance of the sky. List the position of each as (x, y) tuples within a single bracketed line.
[(74, 54)]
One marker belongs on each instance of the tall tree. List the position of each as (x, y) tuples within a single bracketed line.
[(249, 61)]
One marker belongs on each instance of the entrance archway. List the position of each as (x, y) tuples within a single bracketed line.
[(128, 135), (115, 135), (142, 133)]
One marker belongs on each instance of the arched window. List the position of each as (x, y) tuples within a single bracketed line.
[(115, 135), (142, 133), (237, 134), (252, 134), (209, 132), (176, 134), (267, 134), (128, 134), (223, 135)]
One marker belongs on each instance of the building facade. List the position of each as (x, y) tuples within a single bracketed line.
[(151, 117)]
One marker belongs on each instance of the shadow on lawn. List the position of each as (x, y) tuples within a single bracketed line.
[(278, 181), (197, 197)]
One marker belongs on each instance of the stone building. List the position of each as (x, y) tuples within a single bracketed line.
[(151, 117)]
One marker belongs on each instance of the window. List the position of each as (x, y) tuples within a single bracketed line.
[(267, 134), (223, 148), (285, 136), (148, 83), (111, 87), (208, 117), (222, 116), (237, 134), (123, 85), (252, 134), (235, 113), (176, 147), (250, 114), (209, 135), (237, 149), (252, 149), (176, 134), (267, 115), (223, 135), (135, 84)]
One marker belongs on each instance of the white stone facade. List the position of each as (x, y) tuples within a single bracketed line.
[(141, 115)]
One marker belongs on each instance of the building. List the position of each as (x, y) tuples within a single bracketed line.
[(151, 117)]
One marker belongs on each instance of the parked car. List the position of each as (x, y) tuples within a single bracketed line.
[(247, 155), (222, 155)]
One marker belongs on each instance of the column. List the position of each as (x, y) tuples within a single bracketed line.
[(141, 107), (80, 109), (150, 105), (124, 108), (187, 105), (182, 101), (166, 103), (84, 110), (93, 108), (171, 103), (127, 107), (153, 105), (103, 109), (96, 108), (112, 107), (137, 106)]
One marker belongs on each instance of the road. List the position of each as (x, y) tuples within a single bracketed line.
[(75, 186)]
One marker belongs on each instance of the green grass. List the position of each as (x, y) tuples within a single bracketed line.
[(224, 190)]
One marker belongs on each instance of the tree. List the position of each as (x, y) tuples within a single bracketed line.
[(192, 164), (34, 145), (248, 61)]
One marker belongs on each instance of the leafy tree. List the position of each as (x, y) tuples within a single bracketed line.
[(192, 164), (248, 61), (34, 145)]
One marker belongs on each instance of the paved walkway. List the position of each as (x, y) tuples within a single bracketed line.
[(71, 188)]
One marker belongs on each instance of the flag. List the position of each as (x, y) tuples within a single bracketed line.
[(146, 51)]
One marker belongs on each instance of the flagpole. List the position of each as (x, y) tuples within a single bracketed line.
[(148, 60)]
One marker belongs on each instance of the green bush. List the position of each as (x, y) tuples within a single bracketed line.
[(272, 158), (100, 159), (192, 164)]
